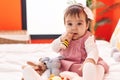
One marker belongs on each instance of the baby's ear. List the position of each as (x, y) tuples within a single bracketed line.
[(31, 63), (88, 25)]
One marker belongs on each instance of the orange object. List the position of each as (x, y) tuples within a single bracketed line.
[(10, 15)]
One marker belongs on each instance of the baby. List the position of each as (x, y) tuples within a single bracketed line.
[(77, 45)]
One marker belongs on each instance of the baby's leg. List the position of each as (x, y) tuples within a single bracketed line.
[(100, 71), (30, 74), (93, 72)]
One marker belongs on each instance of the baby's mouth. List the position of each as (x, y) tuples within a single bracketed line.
[(75, 33)]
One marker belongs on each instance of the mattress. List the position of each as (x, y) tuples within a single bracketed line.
[(14, 56)]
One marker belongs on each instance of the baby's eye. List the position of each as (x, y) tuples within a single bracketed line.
[(70, 24), (79, 23)]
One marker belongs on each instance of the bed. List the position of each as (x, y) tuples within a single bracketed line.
[(13, 56)]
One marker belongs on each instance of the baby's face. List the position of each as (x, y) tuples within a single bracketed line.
[(76, 25)]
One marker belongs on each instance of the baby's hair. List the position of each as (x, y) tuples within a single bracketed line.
[(75, 10)]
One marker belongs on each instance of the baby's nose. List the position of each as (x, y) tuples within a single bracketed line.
[(74, 28)]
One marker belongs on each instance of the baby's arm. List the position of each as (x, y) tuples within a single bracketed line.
[(92, 51), (56, 45)]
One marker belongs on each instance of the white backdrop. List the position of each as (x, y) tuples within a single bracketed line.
[(46, 16)]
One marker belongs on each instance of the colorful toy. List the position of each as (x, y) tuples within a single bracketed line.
[(64, 44)]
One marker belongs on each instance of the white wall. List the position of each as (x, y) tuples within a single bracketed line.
[(46, 16)]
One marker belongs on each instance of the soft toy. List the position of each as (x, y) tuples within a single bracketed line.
[(67, 75), (53, 65), (115, 54)]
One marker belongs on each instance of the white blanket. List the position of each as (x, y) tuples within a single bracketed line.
[(13, 56)]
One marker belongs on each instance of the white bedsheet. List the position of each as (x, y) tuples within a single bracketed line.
[(13, 56)]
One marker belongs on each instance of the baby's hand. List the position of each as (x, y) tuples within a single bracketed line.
[(66, 36), (65, 39)]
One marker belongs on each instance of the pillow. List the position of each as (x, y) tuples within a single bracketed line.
[(115, 39), (14, 36), (104, 48)]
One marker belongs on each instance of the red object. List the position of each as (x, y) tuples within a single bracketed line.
[(41, 41), (105, 31)]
